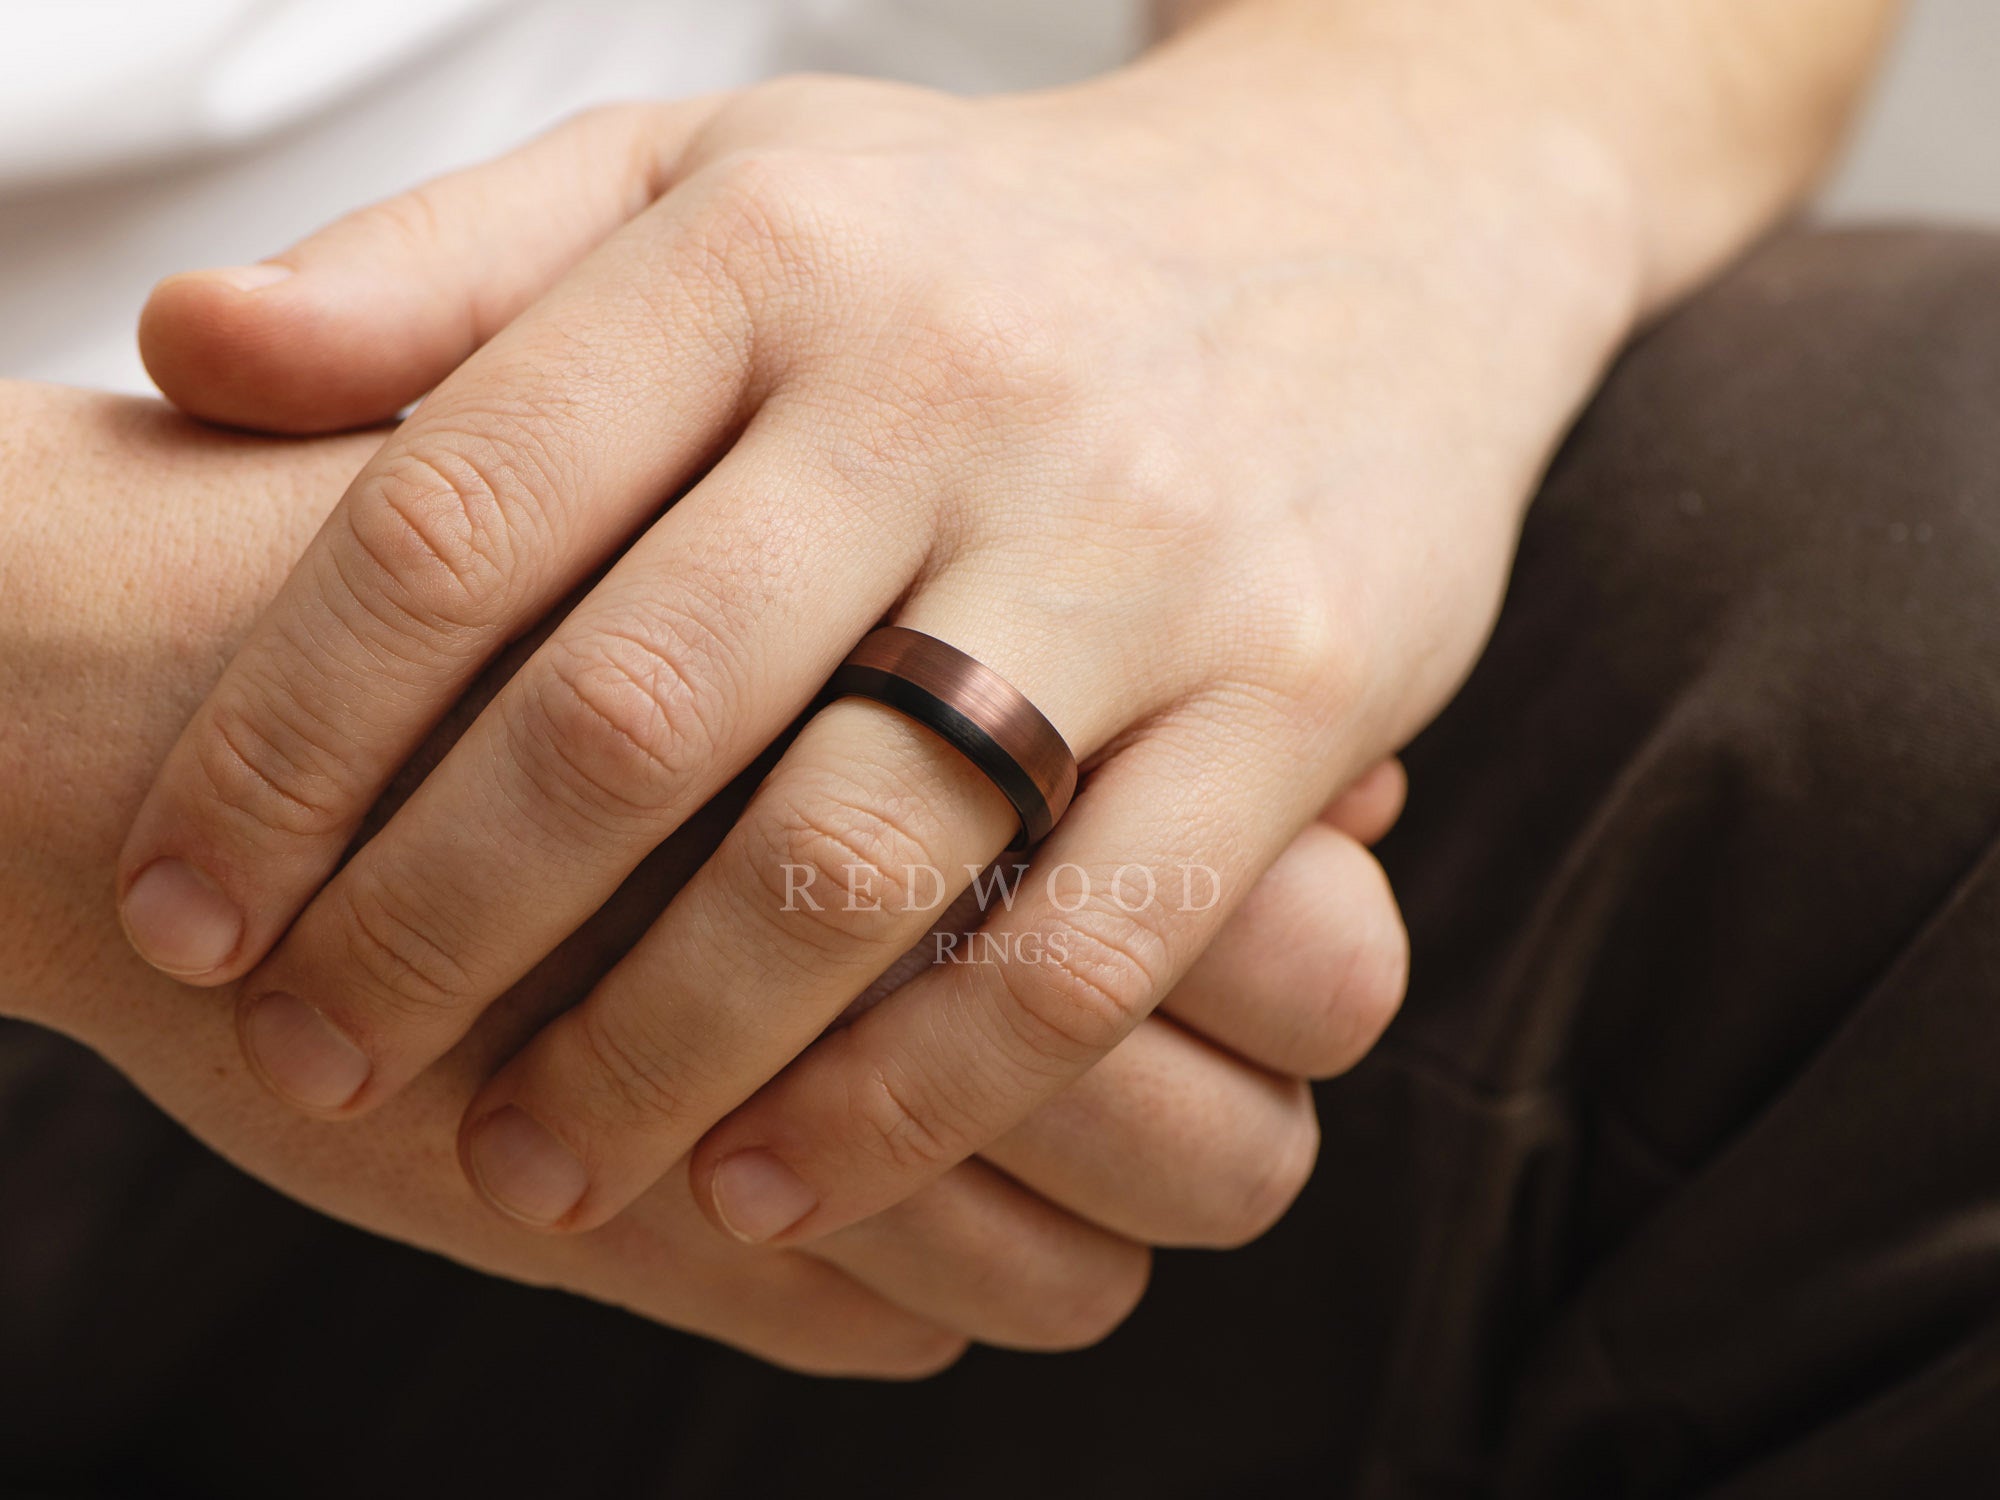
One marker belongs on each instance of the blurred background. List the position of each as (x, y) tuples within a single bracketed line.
[(1931, 144)]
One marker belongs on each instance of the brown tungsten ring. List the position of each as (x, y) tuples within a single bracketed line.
[(973, 709)]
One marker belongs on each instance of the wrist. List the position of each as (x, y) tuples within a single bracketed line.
[(1460, 124), (1670, 136), (1445, 166), (135, 549)]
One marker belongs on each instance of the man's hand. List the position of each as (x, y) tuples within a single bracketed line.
[(1200, 402), (135, 551), (1218, 459)]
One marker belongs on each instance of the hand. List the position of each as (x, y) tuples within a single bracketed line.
[(135, 550), (1218, 457)]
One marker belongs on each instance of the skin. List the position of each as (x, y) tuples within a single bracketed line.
[(137, 549), (1217, 453)]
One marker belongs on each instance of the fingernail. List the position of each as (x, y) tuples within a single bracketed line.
[(524, 1169), (302, 1054), (179, 919), (758, 1197), (250, 278)]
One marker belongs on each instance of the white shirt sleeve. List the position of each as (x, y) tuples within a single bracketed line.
[(142, 137)]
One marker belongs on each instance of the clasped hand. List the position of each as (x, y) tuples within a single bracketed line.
[(1218, 460)]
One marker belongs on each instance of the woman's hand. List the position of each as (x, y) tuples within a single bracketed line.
[(135, 550), (1201, 403)]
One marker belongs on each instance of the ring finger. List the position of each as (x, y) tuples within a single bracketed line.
[(843, 859), (987, 1258)]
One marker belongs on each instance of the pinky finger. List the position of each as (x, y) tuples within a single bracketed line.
[(1369, 808), (1308, 972)]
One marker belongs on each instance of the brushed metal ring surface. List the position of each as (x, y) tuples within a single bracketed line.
[(972, 708)]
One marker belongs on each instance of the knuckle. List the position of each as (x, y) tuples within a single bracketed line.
[(1356, 1008), (406, 966), (1272, 1178), (1300, 643), (1376, 986), (863, 850), (1153, 491), (1081, 987), (635, 1073), (618, 720), (437, 529), (1332, 673), (910, 1134), (1319, 651), (776, 216), (412, 221), (1089, 1309), (263, 768), (990, 352), (636, 132)]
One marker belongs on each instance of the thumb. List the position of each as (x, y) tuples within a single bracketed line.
[(353, 323)]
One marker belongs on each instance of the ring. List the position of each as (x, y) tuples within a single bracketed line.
[(973, 709)]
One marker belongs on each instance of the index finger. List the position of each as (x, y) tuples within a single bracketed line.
[(476, 518)]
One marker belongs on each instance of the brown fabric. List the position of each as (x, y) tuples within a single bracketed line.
[(1680, 1174)]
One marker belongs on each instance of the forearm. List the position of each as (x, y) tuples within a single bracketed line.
[(135, 549), (1687, 126)]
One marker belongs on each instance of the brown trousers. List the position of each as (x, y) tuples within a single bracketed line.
[(1679, 1175)]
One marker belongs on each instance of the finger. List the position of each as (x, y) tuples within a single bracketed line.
[(842, 860), (690, 656), (665, 1261), (470, 524), (812, 1317), (1368, 809), (800, 1312), (983, 1256), (962, 1054), (358, 320), (1167, 1141), (1307, 974)]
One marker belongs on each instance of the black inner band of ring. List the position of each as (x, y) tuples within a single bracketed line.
[(960, 732)]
